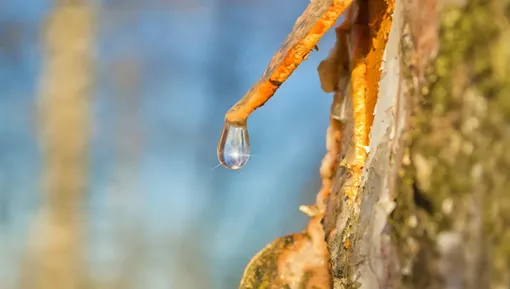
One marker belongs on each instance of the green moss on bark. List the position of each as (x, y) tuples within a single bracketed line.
[(456, 174)]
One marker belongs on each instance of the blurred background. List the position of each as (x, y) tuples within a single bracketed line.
[(110, 113)]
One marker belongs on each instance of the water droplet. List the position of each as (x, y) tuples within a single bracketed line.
[(234, 146)]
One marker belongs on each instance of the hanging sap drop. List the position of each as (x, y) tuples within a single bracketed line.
[(234, 146)]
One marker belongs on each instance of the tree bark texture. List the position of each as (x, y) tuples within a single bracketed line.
[(433, 209)]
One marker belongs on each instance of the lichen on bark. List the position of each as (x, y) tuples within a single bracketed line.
[(454, 183)]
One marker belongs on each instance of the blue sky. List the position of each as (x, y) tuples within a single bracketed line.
[(192, 65)]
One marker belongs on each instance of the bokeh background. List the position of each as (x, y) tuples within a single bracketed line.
[(158, 211)]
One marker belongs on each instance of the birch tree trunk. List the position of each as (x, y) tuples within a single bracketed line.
[(64, 106), (434, 209)]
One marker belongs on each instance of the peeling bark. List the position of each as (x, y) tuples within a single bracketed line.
[(361, 251)]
